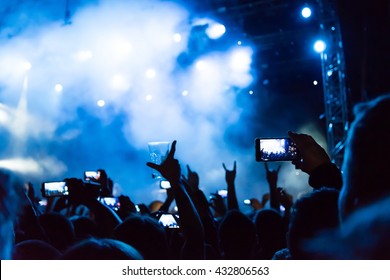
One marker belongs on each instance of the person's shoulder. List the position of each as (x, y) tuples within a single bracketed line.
[(283, 254)]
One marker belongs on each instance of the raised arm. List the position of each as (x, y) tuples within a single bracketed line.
[(272, 179), (316, 162), (105, 218), (230, 177), (191, 182), (190, 222)]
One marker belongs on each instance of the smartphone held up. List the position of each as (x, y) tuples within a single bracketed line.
[(52, 189), (276, 149)]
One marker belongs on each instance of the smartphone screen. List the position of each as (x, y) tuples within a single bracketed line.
[(165, 184), (112, 202), (168, 220), (222, 193), (247, 201), (54, 189), (91, 175), (275, 149)]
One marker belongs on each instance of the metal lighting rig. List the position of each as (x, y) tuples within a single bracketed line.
[(334, 81)]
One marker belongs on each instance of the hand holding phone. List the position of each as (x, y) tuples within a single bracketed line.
[(313, 155), (53, 189), (111, 202), (276, 149), (169, 220), (223, 193), (91, 176)]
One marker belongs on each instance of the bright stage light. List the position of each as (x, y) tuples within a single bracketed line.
[(21, 165), (306, 12), (215, 30), (150, 73), (177, 37), (184, 92), (240, 59), (58, 88), (149, 97), (200, 65), (118, 82), (101, 103), (319, 46)]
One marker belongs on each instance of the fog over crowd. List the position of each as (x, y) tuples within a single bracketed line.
[(90, 91)]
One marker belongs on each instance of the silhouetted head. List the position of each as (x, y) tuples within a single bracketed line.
[(145, 234), (366, 161), (271, 232), (364, 236), (84, 227), (237, 236), (59, 230), (101, 249), (312, 214), (35, 250)]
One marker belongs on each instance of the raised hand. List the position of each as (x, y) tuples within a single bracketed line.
[(256, 204), (265, 198), (272, 179), (312, 154), (217, 203), (192, 179), (285, 198), (272, 175), (230, 175), (170, 167)]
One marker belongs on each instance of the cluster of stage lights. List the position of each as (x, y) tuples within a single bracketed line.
[(214, 31)]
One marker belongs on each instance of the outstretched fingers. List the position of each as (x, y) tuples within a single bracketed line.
[(153, 165), (172, 151), (234, 166)]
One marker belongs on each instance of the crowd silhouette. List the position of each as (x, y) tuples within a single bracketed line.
[(345, 216)]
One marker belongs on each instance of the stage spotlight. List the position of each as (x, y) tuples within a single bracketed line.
[(58, 88), (148, 97), (150, 73), (177, 37), (118, 82), (184, 92), (200, 65), (240, 59), (215, 30), (101, 103), (306, 12), (319, 46)]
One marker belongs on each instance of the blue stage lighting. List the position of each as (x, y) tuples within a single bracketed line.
[(306, 12), (319, 46), (215, 30)]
